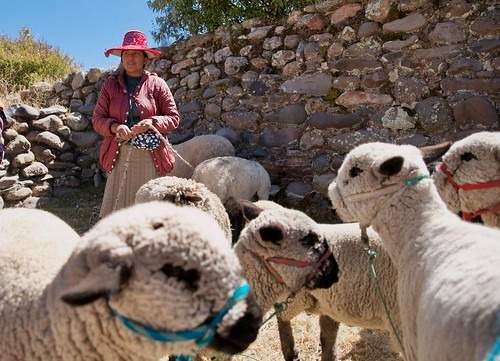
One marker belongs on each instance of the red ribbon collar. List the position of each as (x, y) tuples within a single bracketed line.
[(472, 215), (292, 263), (469, 187)]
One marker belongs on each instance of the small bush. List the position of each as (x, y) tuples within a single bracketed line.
[(25, 60), (181, 18)]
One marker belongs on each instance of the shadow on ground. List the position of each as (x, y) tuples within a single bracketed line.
[(79, 207)]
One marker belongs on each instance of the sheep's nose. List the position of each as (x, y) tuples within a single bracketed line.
[(243, 332), (391, 166)]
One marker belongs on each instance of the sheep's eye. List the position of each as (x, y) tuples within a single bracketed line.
[(310, 240), (355, 171), (190, 277), (157, 225), (468, 156)]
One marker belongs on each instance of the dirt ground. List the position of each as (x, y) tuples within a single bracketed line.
[(78, 207), (353, 343)]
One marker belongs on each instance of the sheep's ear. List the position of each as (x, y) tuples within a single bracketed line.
[(249, 210), (191, 197), (431, 153), (240, 212), (338, 203), (185, 197), (240, 208), (102, 281)]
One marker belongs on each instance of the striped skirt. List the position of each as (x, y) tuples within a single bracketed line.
[(133, 168)]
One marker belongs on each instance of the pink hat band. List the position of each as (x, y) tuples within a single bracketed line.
[(134, 40)]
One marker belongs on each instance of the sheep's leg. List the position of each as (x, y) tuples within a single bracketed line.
[(286, 339), (328, 336)]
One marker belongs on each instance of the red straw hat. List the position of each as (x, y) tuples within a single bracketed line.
[(134, 40)]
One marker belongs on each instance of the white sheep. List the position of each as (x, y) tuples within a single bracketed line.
[(448, 269), (140, 278), (234, 177), (468, 179), (198, 149), (291, 235), (353, 300), (283, 255), (185, 192)]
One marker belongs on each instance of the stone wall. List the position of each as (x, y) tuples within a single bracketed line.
[(46, 149), (298, 95)]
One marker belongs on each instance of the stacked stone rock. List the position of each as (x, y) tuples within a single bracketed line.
[(79, 90), (45, 148), (298, 95)]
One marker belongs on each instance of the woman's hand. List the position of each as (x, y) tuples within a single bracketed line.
[(143, 126), (122, 132)]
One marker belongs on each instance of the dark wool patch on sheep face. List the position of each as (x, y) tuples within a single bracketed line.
[(190, 277)]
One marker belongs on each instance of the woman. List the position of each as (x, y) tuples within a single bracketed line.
[(133, 108)]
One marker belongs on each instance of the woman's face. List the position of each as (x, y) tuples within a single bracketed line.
[(133, 62)]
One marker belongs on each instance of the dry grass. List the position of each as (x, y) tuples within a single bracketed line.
[(6, 97), (78, 207), (31, 96), (25, 60), (353, 343)]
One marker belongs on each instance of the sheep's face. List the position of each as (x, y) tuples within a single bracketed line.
[(169, 268), (370, 174), (278, 237), (184, 192), (472, 160)]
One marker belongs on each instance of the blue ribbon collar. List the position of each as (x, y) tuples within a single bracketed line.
[(203, 334)]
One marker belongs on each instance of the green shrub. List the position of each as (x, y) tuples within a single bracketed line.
[(25, 60), (332, 95), (181, 18)]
